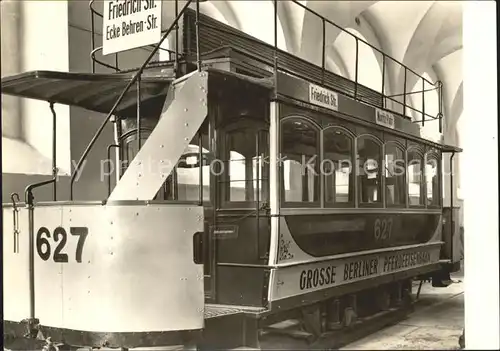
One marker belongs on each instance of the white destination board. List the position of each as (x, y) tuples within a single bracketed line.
[(129, 24), (385, 118), (323, 97)]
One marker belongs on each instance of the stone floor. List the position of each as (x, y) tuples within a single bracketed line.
[(436, 324)]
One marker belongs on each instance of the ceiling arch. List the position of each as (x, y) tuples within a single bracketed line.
[(335, 58), (257, 19), (395, 22), (343, 13), (437, 35), (334, 67), (457, 107), (367, 53), (220, 11), (369, 69), (426, 92), (291, 17), (227, 11)]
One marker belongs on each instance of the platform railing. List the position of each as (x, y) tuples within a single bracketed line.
[(399, 102), (386, 60)]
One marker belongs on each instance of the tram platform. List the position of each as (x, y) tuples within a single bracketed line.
[(436, 323)]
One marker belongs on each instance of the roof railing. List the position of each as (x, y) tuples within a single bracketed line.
[(136, 79), (393, 98), (385, 57), (399, 101)]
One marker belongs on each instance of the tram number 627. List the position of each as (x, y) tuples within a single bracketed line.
[(382, 229), (60, 237)]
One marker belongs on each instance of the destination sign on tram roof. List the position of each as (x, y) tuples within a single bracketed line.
[(323, 97), (129, 24), (385, 118)]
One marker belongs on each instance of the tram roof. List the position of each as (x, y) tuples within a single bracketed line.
[(96, 92), (450, 148), (99, 92)]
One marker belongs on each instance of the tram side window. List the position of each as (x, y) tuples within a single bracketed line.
[(415, 178), (337, 166), (432, 181), (299, 161), (394, 164), (246, 173), (188, 171), (369, 160)]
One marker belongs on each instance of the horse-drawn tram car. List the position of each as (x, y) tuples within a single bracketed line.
[(282, 202)]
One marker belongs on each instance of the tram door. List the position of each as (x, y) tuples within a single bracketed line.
[(238, 233), (226, 169)]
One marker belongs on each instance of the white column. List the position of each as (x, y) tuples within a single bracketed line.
[(44, 46), (449, 137), (447, 174), (480, 180)]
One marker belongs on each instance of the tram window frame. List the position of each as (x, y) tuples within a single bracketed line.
[(351, 179), (316, 203), (422, 199), (392, 138), (170, 188), (379, 203), (260, 130), (436, 193), (403, 189)]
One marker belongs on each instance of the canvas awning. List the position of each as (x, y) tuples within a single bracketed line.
[(95, 92)]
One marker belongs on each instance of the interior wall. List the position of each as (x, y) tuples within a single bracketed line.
[(16, 183), (26, 138), (38, 53)]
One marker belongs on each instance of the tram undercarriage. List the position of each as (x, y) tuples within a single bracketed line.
[(285, 258)]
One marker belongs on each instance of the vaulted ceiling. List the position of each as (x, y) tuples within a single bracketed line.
[(426, 36)]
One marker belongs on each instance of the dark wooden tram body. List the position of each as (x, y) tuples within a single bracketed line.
[(239, 233), (269, 252)]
